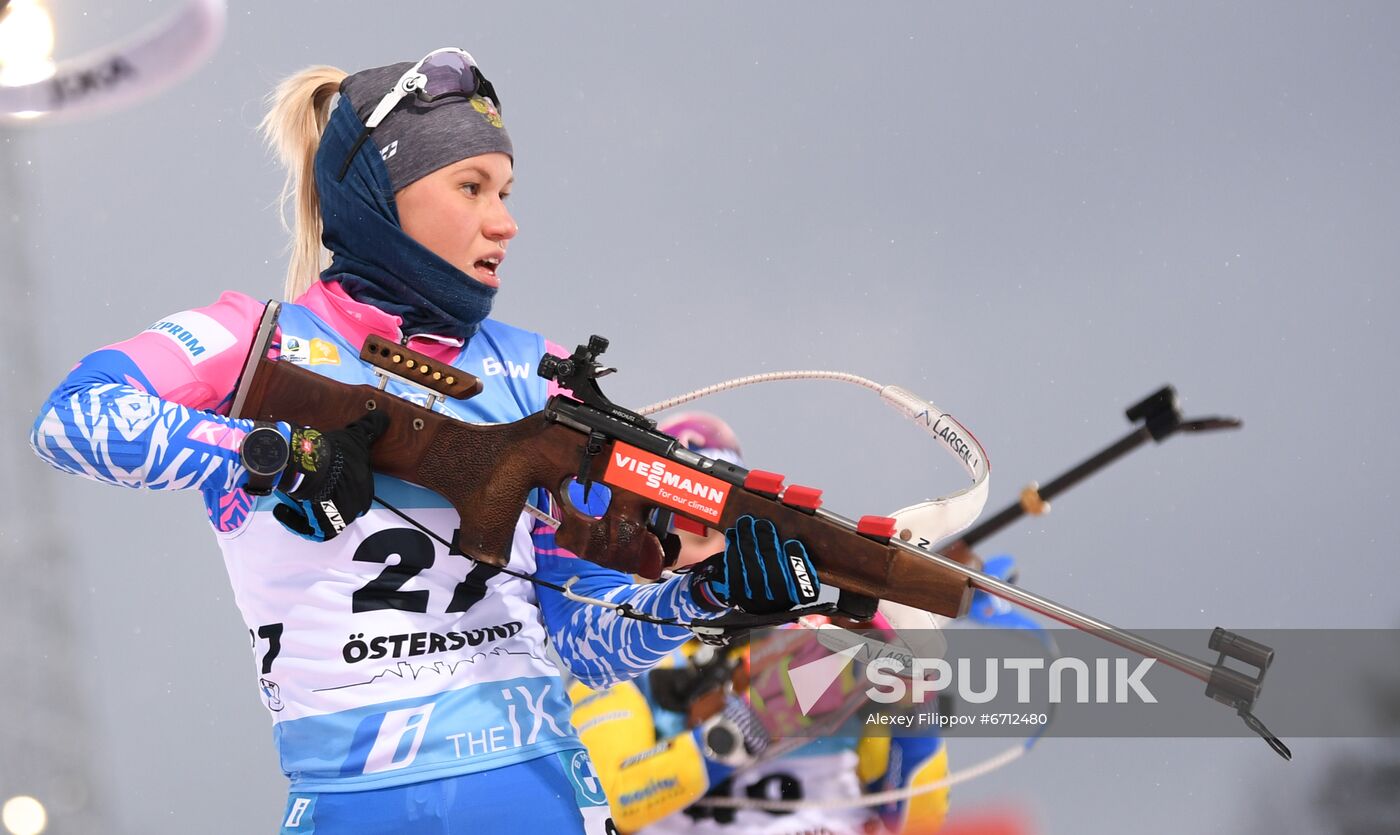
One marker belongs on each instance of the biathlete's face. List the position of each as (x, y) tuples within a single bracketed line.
[(459, 213)]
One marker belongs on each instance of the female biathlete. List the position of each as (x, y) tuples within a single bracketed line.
[(409, 687)]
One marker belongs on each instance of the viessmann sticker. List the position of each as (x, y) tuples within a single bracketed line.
[(668, 483)]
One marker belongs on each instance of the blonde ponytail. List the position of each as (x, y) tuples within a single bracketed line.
[(300, 108)]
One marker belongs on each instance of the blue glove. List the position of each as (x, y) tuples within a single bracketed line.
[(758, 574)]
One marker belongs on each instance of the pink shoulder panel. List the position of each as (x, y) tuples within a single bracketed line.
[(194, 357)]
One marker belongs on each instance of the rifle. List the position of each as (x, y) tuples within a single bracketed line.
[(696, 689), (488, 472)]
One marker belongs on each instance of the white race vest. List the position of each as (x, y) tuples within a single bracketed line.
[(383, 658)]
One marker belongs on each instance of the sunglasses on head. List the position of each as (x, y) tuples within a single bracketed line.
[(441, 74)]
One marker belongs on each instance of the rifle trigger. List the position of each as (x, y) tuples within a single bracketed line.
[(592, 448), (660, 524)]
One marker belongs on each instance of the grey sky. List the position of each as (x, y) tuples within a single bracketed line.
[(1032, 214)]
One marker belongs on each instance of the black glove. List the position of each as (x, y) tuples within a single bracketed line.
[(757, 574), (328, 482)]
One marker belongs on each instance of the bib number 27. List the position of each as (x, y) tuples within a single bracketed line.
[(415, 553)]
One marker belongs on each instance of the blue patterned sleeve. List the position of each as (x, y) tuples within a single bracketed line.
[(599, 646), (102, 422)]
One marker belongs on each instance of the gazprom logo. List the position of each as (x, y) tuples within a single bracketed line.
[(200, 336), (182, 336)]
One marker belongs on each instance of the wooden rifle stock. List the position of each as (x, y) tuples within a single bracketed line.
[(486, 472)]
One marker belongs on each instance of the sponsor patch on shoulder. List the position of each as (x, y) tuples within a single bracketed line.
[(324, 353), (303, 351), (296, 349), (199, 335)]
